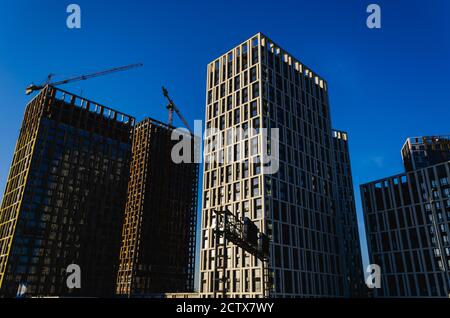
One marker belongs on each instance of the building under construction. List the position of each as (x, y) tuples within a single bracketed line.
[(64, 198), (157, 254), (81, 172)]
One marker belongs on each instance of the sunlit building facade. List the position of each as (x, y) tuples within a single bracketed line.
[(259, 85)]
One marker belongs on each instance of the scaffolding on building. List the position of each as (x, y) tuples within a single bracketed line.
[(244, 234)]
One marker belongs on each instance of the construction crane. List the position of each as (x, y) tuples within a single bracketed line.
[(31, 88), (172, 107)]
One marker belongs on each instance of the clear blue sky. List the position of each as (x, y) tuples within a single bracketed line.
[(385, 85)]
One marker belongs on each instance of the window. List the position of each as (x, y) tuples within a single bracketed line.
[(255, 50), (244, 56), (209, 97), (253, 74), (254, 146), (255, 90), (230, 65), (228, 174), (253, 109), (237, 152), (256, 125), (237, 116), (215, 109), (237, 83), (237, 191), (255, 186), (230, 102), (244, 95), (446, 193), (258, 208), (257, 169), (246, 209)]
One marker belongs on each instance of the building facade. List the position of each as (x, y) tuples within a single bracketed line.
[(157, 253), (420, 152), (258, 85), (351, 250), (64, 198), (407, 226)]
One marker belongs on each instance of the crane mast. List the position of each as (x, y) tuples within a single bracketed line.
[(171, 108)]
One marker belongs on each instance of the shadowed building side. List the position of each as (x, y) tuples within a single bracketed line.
[(351, 260), (407, 219), (158, 237), (420, 152)]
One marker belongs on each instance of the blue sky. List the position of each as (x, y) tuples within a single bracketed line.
[(384, 85)]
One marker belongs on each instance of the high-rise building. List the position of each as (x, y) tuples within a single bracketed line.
[(64, 198), (351, 249), (259, 85), (420, 152), (407, 220), (157, 254)]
